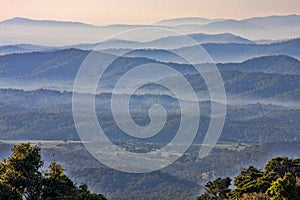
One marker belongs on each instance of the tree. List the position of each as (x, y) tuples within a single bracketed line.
[(21, 178), (7, 193), (254, 196), (284, 188), (56, 184), (259, 185), (282, 165), (85, 194), (217, 189), (21, 171), (247, 175), (279, 181)]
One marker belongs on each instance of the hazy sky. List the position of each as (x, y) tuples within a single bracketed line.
[(142, 11)]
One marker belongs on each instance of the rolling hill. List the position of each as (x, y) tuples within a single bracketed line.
[(268, 64), (61, 66)]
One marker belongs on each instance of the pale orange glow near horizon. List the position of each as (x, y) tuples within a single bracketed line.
[(101, 12)]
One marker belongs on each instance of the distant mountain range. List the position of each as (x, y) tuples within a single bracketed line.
[(275, 21), (229, 48), (250, 85), (186, 21), (63, 64), (270, 27), (268, 77), (219, 53), (288, 20), (267, 64), (170, 42), (23, 48), (30, 22), (230, 24), (57, 33)]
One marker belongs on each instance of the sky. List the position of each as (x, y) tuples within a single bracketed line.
[(102, 12)]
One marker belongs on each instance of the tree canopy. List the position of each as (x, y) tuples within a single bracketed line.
[(279, 181), (21, 178)]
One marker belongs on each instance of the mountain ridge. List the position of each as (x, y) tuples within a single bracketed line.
[(181, 19), (219, 52), (23, 20)]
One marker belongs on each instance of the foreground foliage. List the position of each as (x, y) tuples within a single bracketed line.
[(279, 181), (21, 178)]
